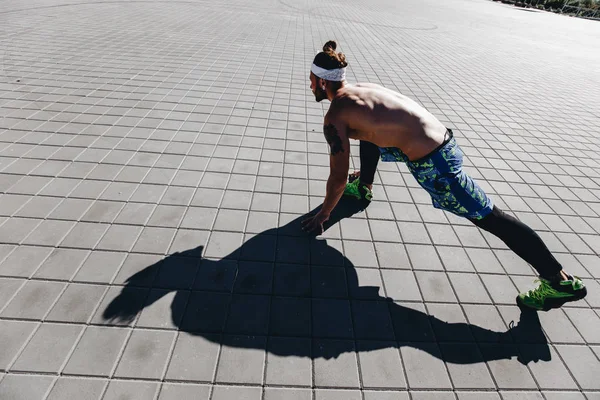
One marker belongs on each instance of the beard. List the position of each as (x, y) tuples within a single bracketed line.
[(320, 95)]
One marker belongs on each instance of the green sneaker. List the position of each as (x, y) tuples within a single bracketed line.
[(360, 191), (550, 295)]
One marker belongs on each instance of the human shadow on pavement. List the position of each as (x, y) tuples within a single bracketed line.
[(282, 283)]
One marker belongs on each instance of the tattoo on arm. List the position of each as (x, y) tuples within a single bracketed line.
[(333, 138)]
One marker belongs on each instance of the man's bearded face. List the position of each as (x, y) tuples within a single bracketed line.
[(317, 90)]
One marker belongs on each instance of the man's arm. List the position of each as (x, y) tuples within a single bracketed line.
[(339, 161)]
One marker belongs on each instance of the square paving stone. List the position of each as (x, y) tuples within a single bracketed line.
[(236, 392), (288, 362), (145, 355), (80, 388), (335, 363), (380, 365), (17, 387), (177, 391), (287, 394), (242, 360), (13, 335), (33, 300), (97, 351), (130, 390), (48, 348), (77, 303), (582, 363), (194, 357), (423, 367)]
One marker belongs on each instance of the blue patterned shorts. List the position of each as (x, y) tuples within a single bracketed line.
[(440, 173)]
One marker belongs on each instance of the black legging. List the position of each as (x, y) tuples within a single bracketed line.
[(369, 158), (519, 237)]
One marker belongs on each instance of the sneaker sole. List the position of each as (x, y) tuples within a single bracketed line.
[(360, 198), (352, 195), (555, 302)]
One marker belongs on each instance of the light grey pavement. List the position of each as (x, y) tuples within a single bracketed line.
[(137, 136)]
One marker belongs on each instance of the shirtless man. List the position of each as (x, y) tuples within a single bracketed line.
[(395, 128)]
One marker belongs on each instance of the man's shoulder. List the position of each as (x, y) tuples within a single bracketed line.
[(368, 85), (336, 111), (345, 106), (376, 88)]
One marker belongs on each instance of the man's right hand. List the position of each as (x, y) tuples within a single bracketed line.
[(314, 224)]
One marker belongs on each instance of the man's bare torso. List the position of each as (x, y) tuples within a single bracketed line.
[(387, 119)]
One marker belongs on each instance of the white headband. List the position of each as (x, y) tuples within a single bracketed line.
[(338, 74)]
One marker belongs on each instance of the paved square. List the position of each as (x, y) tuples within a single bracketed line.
[(156, 158)]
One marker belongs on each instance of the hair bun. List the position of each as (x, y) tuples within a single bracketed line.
[(330, 45)]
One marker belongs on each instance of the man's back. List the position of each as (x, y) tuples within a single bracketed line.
[(387, 119)]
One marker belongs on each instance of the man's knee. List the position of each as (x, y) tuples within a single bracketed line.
[(489, 219)]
